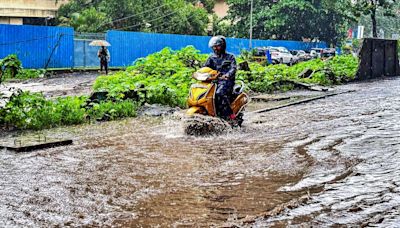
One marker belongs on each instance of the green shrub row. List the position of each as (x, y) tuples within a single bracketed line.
[(337, 70), (11, 68), (27, 110)]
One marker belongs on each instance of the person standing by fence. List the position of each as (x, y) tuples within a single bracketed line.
[(104, 56)]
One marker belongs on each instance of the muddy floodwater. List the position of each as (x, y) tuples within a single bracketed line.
[(333, 161)]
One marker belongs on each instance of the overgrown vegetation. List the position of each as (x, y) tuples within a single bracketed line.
[(10, 65), (270, 78), (166, 75), (11, 68), (27, 110)]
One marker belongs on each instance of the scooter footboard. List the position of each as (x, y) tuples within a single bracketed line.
[(240, 102), (195, 110)]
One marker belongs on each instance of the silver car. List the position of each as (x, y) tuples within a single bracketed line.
[(281, 55)]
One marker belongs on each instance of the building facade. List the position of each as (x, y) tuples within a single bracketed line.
[(29, 11)]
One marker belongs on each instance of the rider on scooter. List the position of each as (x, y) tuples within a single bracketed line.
[(225, 63)]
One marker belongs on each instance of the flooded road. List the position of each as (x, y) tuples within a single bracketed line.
[(333, 161)]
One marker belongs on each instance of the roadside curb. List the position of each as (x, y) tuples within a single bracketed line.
[(301, 101)]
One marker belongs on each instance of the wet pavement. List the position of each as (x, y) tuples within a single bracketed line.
[(329, 162)]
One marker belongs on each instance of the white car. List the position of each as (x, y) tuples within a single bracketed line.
[(282, 55), (316, 52)]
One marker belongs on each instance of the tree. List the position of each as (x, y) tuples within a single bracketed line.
[(239, 15), (185, 19), (208, 4), (371, 7), (333, 20), (388, 25), (292, 19), (89, 20), (166, 16), (221, 26)]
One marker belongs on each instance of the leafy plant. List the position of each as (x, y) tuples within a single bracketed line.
[(25, 74), (109, 110), (27, 110), (11, 68), (10, 64), (265, 79), (166, 75)]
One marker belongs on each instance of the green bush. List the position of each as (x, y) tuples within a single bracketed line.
[(24, 74), (265, 78), (27, 110), (166, 76), (109, 110), (10, 65), (11, 68)]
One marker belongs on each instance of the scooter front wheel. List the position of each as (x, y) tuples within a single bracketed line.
[(240, 119)]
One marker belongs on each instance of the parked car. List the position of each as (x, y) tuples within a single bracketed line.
[(282, 55), (328, 52), (316, 52), (322, 52), (301, 55), (259, 54), (259, 51)]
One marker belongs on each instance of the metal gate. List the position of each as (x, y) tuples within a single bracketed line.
[(378, 57), (85, 56)]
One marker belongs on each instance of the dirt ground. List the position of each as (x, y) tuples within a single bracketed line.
[(65, 84)]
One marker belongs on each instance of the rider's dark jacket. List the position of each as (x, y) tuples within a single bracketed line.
[(226, 64)]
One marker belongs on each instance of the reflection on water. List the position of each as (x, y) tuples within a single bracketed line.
[(341, 153)]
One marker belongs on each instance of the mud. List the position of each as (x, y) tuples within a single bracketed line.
[(330, 162), (65, 84)]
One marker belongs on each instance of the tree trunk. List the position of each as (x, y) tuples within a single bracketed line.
[(1, 76), (13, 72), (373, 18)]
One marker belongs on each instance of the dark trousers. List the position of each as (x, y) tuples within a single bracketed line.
[(104, 64), (222, 98)]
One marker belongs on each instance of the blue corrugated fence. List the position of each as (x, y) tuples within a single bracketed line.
[(126, 47), (53, 47), (38, 46)]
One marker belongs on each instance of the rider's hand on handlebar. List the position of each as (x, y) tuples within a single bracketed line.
[(224, 77)]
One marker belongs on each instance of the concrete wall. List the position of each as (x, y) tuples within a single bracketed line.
[(12, 11), (11, 20)]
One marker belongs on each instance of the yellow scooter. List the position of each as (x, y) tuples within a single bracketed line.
[(202, 95)]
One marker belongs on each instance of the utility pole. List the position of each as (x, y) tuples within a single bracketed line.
[(251, 24)]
